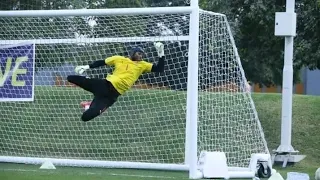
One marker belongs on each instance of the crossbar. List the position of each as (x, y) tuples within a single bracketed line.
[(97, 12)]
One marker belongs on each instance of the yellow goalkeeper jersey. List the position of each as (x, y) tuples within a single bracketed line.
[(126, 72)]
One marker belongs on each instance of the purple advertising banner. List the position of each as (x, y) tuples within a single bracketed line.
[(17, 72)]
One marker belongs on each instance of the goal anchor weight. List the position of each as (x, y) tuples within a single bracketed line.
[(47, 164), (214, 165)]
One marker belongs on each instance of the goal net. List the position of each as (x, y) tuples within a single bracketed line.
[(148, 123)]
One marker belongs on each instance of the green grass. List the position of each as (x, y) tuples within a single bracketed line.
[(145, 125), (32, 172), (305, 127)]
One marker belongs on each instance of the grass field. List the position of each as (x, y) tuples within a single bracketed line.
[(31, 172), (47, 119)]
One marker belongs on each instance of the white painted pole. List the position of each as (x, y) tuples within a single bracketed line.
[(287, 88), (192, 94)]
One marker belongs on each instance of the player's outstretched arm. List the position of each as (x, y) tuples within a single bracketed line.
[(82, 69), (159, 67)]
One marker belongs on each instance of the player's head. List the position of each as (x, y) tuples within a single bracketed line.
[(136, 54)]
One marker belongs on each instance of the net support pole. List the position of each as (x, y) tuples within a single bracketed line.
[(286, 23), (192, 94), (287, 88)]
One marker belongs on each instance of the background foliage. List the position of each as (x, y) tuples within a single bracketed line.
[(252, 23)]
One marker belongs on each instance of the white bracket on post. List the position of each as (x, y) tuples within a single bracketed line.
[(285, 24)]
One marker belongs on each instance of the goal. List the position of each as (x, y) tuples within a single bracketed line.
[(200, 103)]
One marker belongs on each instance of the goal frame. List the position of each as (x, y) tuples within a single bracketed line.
[(191, 154)]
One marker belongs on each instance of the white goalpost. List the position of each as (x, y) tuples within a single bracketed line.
[(176, 120)]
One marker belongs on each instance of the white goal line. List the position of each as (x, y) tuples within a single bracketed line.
[(98, 40)]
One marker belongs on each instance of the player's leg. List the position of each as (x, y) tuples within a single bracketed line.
[(91, 85), (81, 81), (97, 107)]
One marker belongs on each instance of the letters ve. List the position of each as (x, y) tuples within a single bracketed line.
[(15, 71)]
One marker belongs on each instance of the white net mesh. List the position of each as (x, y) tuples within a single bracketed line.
[(147, 124), (227, 117)]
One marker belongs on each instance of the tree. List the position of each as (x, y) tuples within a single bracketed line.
[(261, 52), (252, 24), (307, 43)]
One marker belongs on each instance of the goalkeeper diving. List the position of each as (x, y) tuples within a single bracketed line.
[(126, 72)]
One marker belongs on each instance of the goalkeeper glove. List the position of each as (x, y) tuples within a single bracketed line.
[(81, 69), (160, 48)]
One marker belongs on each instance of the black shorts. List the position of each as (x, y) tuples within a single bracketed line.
[(100, 88), (105, 95), (104, 88)]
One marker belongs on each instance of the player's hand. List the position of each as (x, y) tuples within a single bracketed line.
[(160, 48), (81, 69)]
